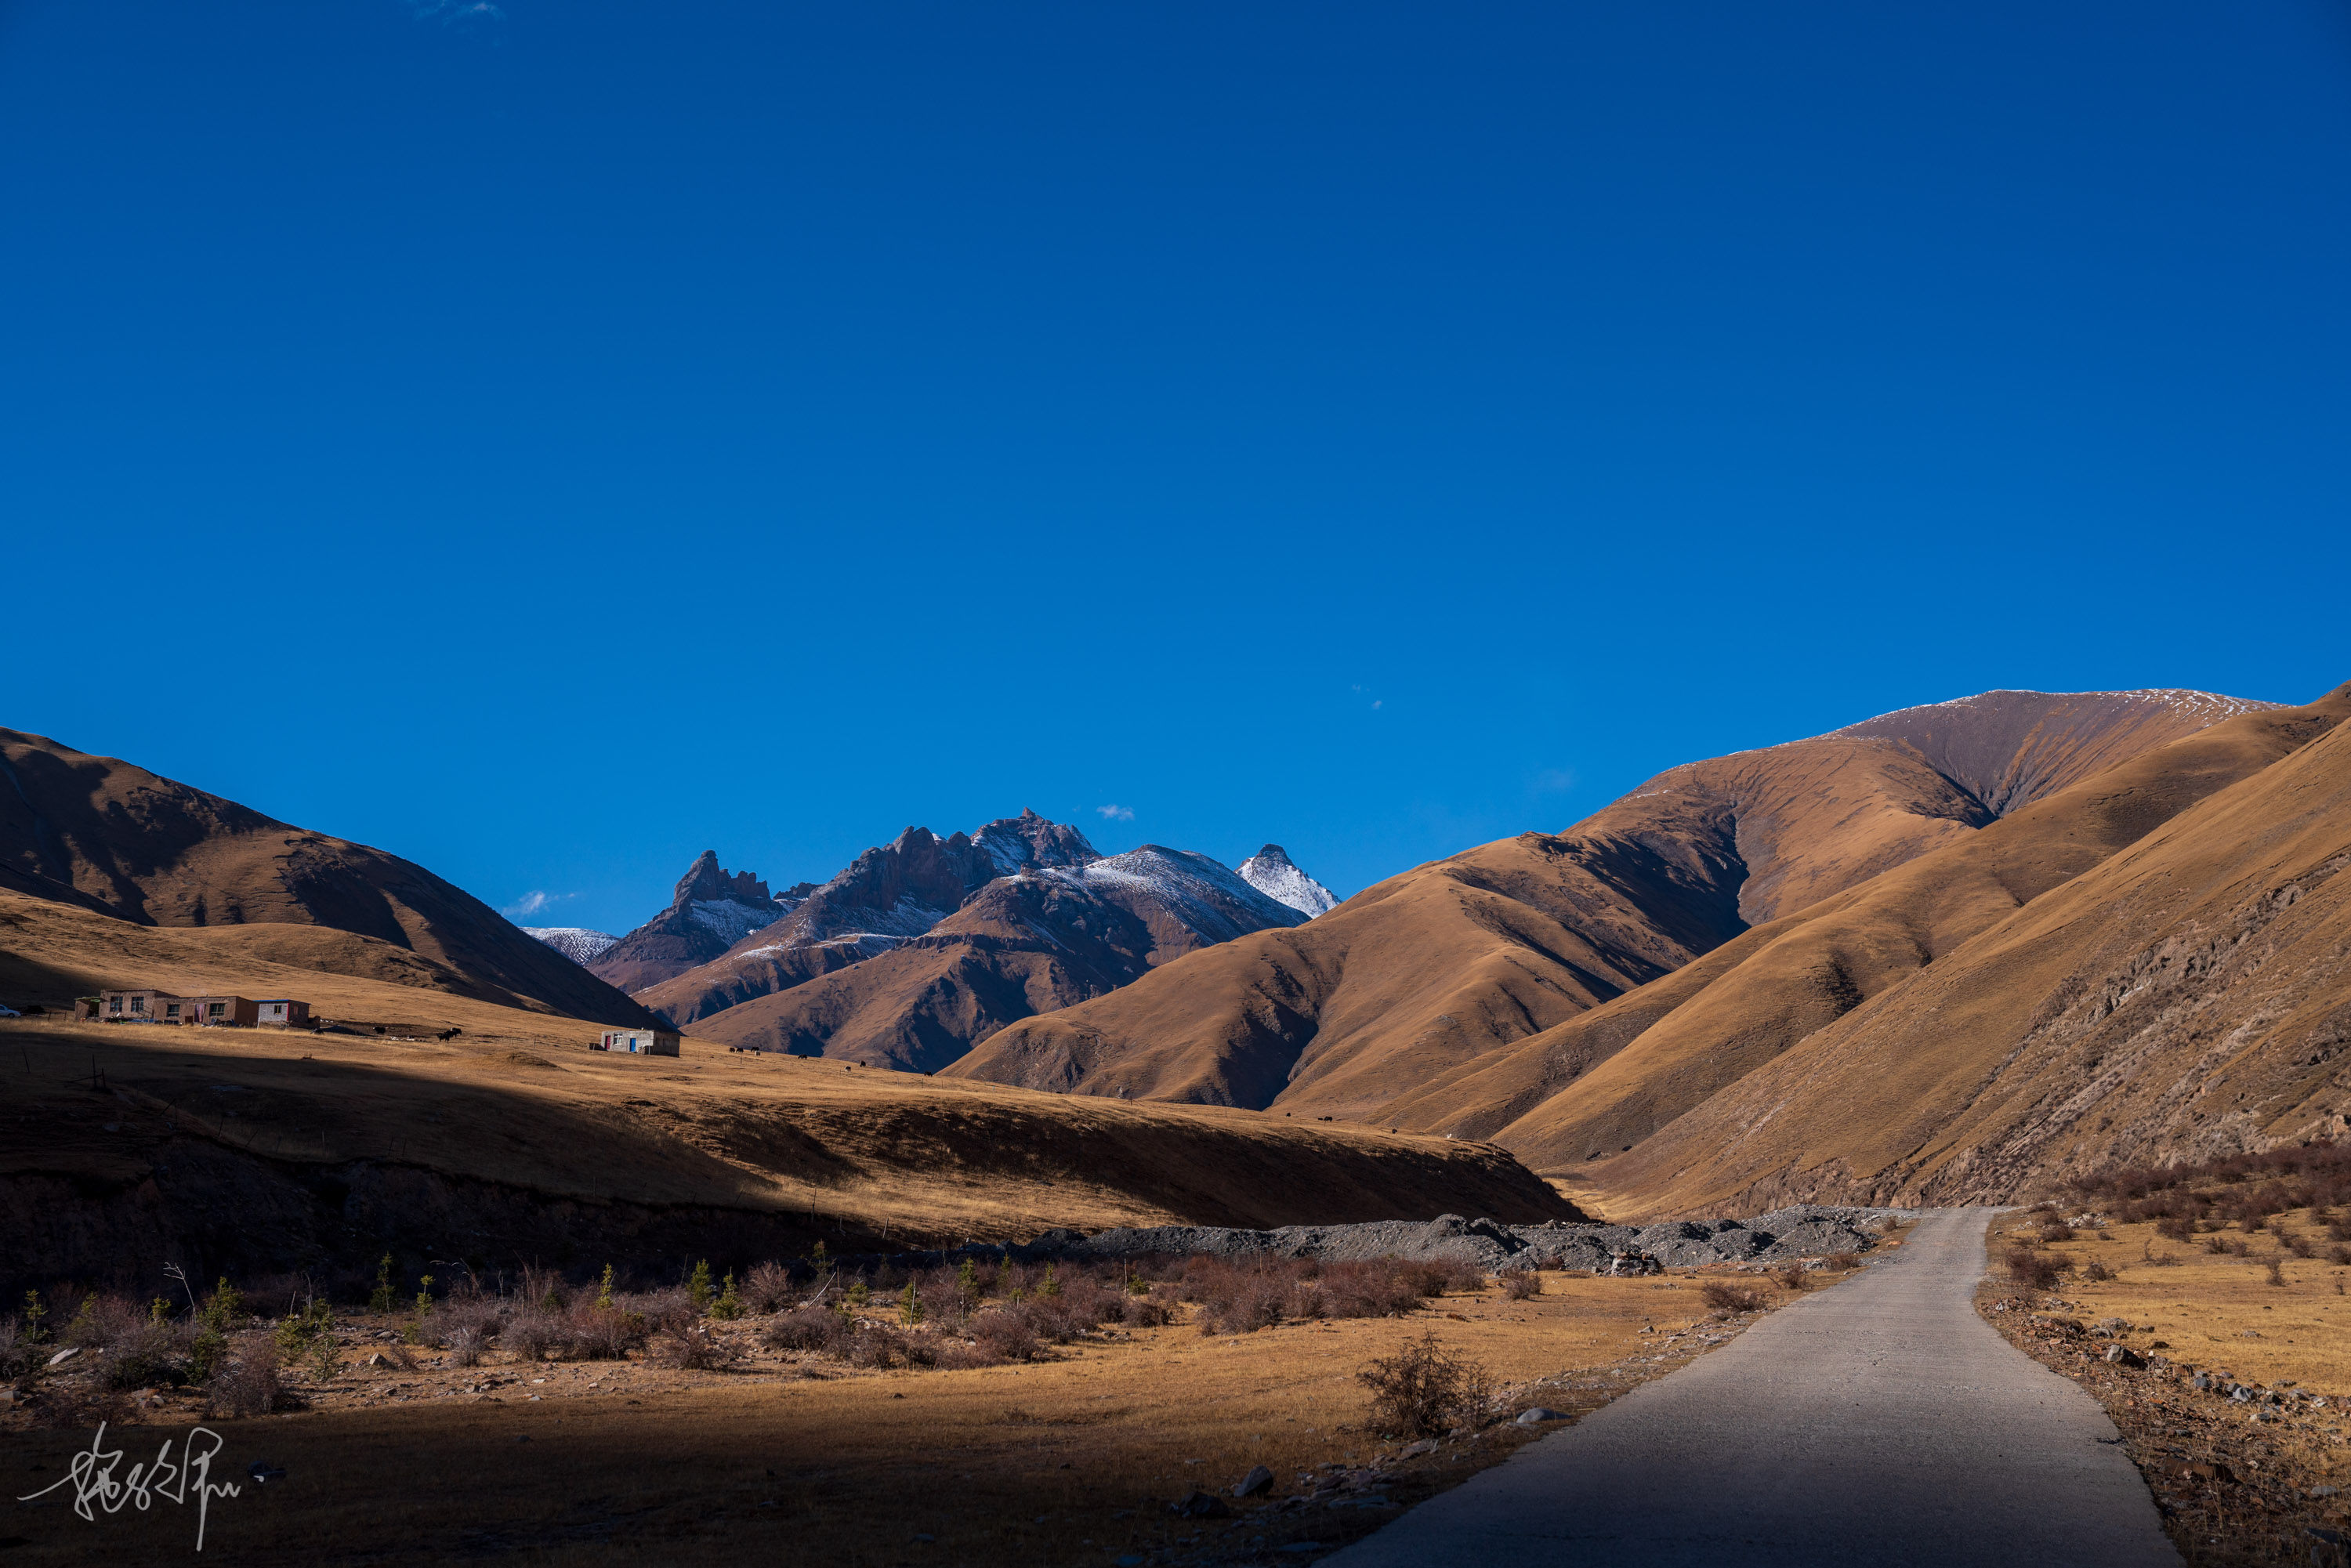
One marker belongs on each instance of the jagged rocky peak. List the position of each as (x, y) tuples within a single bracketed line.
[(705, 881), (1029, 842), (1272, 872)]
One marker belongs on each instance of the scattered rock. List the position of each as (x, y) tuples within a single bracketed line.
[(1539, 1414), (1257, 1481), (1200, 1505), (2120, 1354), (65, 1355), (1414, 1450)]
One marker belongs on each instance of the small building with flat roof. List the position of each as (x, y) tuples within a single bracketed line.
[(282, 1013), (639, 1042)]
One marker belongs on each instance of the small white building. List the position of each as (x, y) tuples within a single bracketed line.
[(639, 1042)]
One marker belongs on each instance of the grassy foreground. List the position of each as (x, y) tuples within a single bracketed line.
[(1073, 1459)]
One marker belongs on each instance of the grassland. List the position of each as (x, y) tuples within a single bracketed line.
[(1073, 1459), (2238, 1480)]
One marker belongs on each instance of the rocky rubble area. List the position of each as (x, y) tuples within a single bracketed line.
[(1784, 1234)]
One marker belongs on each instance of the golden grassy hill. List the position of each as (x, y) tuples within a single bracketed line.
[(1403, 985), (102, 834), (513, 1134), (2184, 997), (1604, 1080)]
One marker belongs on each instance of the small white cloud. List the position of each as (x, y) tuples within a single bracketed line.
[(536, 903), (1377, 704), (1551, 781), (1115, 813)]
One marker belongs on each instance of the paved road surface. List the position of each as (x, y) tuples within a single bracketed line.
[(1879, 1422)]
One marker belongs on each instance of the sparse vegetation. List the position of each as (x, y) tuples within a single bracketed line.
[(1425, 1390), (1520, 1284), (2032, 1269), (1728, 1298)]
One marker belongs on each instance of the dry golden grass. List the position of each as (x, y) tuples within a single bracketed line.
[(2218, 1311), (518, 1099), (1072, 1460), (2236, 1482)]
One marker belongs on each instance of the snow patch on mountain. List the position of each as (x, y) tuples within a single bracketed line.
[(1179, 879), (576, 943), (1271, 872), (730, 920)]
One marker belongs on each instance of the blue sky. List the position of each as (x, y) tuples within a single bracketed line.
[(551, 439)]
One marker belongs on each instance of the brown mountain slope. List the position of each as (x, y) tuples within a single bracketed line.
[(709, 910), (2187, 996), (1022, 945), (515, 1138), (1603, 1081), (102, 834), (1407, 981)]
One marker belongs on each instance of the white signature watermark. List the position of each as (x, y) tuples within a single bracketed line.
[(93, 1479)]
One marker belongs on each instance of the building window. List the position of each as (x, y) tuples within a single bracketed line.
[(139, 1004), (216, 1010), (171, 1009), (114, 1004)]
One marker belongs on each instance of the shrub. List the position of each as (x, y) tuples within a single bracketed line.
[(698, 1286), (380, 1299), (1520, 1284), (2178, 1227), (1722, 1296), (2338, 1255), (1794, 1277), (876, 1345), (692, 1348), (1004, 1334), (2215, 1245), (591, 1333), (1424, 1389), (2032, 1269), (1845, 1262), (768, 1287), (466, 1346), (2093, 1270), (147, 1356), (533, 1334), (102, 1321), (2055, 1231), (2298, 1245), (805, 1328), (2276, 1261), (1462, 1277), (1149, 1312), (247, 1384)]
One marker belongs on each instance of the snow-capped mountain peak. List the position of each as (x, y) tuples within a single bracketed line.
[(1270, 872), (576, 943)]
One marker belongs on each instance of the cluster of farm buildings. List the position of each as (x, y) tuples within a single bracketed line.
[(162, 1006)]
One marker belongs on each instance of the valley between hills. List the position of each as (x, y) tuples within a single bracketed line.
[(1952, 954)]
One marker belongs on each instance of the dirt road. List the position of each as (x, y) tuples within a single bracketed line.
[(1880, 1422)]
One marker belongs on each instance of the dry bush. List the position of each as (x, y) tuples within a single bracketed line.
[(1425, 1390), (1463, 1278), (2215, 1245), (607, 1334), (806, 1328), (1795, 1276), (533, 1334), (248, 1384), (1004, 1334), (2298, 1245), (2276, 1263), (2032, 1269), (955, 1355), (2055, 1231), (876, 1345), (1147, 1311), (1845, 1262), (694, 1347), (768, 1287), (545, 1289), (17, 1355), (1722, 1296), (100, 1321), (466, 1346), (2177, 1227), (1520, 1284), (1382, 1289), (148, 1355), (2093, 1270)]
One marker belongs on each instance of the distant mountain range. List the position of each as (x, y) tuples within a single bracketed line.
[(922, 946), (576, 943)]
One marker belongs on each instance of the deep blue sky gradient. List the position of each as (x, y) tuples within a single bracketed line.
[(549, 443)]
